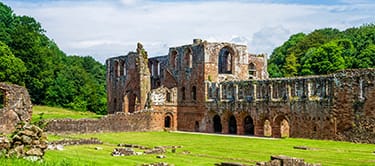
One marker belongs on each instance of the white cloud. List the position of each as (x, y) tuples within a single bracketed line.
[(110, 28)]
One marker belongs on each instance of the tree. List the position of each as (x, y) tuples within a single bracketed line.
[(12, 69), (277, 61), (30, 58), (324, 59)]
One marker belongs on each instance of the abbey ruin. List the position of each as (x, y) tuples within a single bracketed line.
[(218, 87)]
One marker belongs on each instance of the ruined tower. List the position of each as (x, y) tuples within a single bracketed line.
[(128, 82)]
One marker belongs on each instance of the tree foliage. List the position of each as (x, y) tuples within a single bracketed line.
[(324, 51), (28, 57)]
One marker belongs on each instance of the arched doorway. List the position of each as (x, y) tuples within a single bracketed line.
[(232, 125), (130, 101), (196, 127), (167, 122), (248, 125), (280, 127), (217, 124)]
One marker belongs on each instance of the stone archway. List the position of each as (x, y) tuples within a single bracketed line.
[(232, 125), (280, 127), (217, 124), (248, 125), (196, 126), (167, 122), (130, 103), (267, 129)]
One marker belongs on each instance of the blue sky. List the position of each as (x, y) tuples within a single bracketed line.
[(105, 29)]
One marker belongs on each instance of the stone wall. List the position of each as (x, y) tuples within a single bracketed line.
[(145, 120), (128, 83), (312, 107), (16, 106), (220, 87)]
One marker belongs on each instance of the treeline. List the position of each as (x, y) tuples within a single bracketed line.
[(324, 51), (29, 58)]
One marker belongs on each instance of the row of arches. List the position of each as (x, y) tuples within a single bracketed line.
[(193, 94), (120, 68), (187, 59), (278, 128)]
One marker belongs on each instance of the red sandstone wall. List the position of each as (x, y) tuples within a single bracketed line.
[(139, 121)]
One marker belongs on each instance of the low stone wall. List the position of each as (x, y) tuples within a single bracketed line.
[(146, 120)]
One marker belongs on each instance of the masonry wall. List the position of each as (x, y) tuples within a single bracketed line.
[(16, 107), (313, 107), (145, 120), (128, 82)]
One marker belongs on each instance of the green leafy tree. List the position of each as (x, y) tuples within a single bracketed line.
[(324, 59), (291, 65), (277, 61), (30, 58), (12, 69)]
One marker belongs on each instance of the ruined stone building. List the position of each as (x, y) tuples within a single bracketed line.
[(15, 107), (218, 87)]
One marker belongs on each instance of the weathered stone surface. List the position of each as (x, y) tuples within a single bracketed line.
[(158, 164), (34, 152), (282, 160), (26, 143), (219, 87), (16, 107), (81, 141), (4, 143), (123, 152)]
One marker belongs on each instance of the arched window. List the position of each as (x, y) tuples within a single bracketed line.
[(252, 71), (125, 70), (173, 59), (194, 92), (168, 97), (121, 68), (188, 58), (116, 69), (225, 61), (158, 69), (183, 93), (152, 69)]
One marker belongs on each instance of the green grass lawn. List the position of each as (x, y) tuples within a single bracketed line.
[(59, 113), (204, 149), (211, 149)]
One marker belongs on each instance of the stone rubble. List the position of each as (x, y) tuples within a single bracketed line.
[(158, 164), (28, 141), (230, 164), (123, 152), (77, 141), (282, 160), (128, 150)]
